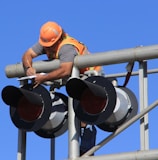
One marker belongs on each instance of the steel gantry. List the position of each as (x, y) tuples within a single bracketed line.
[(140, 54)]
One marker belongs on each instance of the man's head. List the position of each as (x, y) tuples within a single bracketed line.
[(50, 33)]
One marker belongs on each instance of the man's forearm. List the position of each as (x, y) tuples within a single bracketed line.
[(27, 58), (27, 61)]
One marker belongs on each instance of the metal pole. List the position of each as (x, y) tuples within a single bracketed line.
[(73, 125), (143, 88), (52, 149), (21, 155)]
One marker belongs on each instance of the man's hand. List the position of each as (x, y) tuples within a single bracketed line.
[(30, 71), (40, 78)]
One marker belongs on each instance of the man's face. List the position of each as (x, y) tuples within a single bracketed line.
[(51, 51)]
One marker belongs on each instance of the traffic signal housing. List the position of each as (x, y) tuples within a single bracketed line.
[(32, 109), (94, 98), (96, 101)]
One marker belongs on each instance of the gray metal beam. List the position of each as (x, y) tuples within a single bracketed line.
[(104, 58), (138, 155), (17, 70), (117, 56), (134, 73)]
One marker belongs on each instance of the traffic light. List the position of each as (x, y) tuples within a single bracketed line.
[(97, 101), (34, 109), (94, 98)]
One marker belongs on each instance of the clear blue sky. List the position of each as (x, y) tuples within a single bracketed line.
[(103, 25)]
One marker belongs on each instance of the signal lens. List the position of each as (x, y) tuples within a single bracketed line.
[(28, 111), (91, 103)]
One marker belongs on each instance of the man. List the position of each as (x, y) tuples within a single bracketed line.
[(56, 44)]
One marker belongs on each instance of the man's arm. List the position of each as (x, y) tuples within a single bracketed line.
[(27, 61), (63, 71)]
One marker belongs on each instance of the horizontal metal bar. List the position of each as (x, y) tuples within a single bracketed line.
[(104, 58), (138, 155), (117, 56), (134, 73), (17, 70)]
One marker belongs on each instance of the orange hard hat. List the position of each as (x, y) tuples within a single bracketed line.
[(50, 32)]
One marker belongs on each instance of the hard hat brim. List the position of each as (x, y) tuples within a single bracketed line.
[(47, 44)]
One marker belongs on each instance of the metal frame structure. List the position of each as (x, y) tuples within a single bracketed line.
[(140, 54)]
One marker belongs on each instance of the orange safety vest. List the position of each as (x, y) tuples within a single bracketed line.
[(81, 50)]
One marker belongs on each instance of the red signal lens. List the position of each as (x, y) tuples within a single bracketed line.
[(91, 103), (28, 111)]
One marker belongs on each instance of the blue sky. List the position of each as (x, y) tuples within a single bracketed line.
[(102, 25)]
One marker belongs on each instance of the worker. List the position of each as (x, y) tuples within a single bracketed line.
[(56, 44)]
